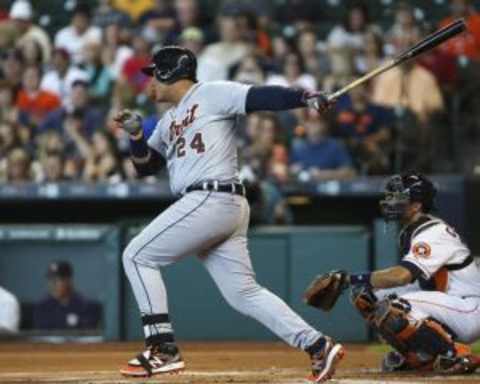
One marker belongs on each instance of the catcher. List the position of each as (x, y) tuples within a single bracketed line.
[(427, 307)]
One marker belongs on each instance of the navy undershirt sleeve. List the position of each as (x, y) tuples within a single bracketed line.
[(274, 98), (140, 149), (414, 270)]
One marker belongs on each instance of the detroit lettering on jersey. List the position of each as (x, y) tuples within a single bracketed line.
[(197, 137), (176, 129)]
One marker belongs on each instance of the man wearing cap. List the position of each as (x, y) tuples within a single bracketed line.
[(25, 31), (64, 308)]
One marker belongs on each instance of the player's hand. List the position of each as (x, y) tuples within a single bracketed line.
[(318, 101), (129, 121)]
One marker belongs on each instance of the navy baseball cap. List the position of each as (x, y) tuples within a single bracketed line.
[(62, 269)]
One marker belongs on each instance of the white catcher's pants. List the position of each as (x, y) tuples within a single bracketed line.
[(461, 315), (214, 226)]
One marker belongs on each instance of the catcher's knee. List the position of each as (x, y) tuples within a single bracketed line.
[(425, 339)]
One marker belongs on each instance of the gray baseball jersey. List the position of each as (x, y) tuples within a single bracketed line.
[(197, 137)]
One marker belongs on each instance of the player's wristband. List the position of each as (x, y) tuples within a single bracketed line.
[(139, 148), (361, 278)]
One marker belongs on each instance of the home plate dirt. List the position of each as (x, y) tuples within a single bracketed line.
[(247, 363)]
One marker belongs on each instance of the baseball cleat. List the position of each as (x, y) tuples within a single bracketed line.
[(325, 359), (464, 362), (155, 360)]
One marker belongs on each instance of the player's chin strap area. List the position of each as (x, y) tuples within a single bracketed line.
[(216, 186)]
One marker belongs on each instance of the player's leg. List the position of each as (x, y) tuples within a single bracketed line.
[(230, 266), (179, 231), (419, 337)]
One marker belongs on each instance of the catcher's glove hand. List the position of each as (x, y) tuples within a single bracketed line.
[(130, 121), (325, 289), (318, 101)]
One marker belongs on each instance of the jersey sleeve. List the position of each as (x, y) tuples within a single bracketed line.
[(156, 142), (228, 97), (429, 252)]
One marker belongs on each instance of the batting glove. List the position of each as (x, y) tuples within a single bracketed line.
[(130, 121), (318, 101)]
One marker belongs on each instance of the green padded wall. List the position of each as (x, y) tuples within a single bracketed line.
[(385, 244)]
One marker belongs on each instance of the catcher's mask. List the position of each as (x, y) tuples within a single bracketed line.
[(172, 63), (401, 190)]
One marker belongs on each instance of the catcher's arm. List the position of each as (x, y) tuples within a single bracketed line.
[(325, 289)]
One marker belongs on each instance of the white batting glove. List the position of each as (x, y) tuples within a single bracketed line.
[(318, 101), (130, 121)]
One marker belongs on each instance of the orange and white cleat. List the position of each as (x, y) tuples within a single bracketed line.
[(155, 360), (325, 355)]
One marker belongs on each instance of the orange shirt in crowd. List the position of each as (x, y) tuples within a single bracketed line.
[(466, 44), (37, 105)]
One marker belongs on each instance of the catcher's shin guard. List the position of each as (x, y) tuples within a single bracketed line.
[(420, 341)]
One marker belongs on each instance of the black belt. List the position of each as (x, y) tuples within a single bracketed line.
[(215, 186)]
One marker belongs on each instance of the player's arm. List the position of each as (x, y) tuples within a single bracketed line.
[(146, 160), (277, 98)]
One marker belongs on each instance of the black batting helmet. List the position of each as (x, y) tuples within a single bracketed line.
[(404, 189), (172, 63)]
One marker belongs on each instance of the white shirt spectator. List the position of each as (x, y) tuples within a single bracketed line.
[(62, 87), (340, 38), (217, 58), (122, 54), (9, 313), (69, 39), (304, 81)]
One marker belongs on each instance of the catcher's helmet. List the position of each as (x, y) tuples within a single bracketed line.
[(172, 63), (401, 190)]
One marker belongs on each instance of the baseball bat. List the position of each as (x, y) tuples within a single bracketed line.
[(424, 45)]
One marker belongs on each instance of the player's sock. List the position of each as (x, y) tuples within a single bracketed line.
[(158, 329)]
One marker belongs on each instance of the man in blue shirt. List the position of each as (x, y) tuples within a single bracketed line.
[(64, 308), (320, 157), (365, 127)]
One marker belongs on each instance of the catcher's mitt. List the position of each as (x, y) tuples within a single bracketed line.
[(325, 289)]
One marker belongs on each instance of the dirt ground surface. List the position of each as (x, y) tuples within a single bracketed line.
[(246, 363)]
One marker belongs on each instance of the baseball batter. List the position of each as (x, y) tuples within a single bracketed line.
[(428, 306), (195, 139)]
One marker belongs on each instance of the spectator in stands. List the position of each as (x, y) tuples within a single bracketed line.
[(280, 50), (351, 34), (293, 74), (21, 14), (105, 15), (320, 157), (9, 139), (466, 45), (217, 58), (53, 168), (365, 128), (64, 308), (33, 103), (32, 53), (12, 66), (132, 81), (372, 55), (409, 85), (8, 110), (116, 51), (193, 39), (316, 61), (342, 63), (60, 78), (404, 23), (10, 313), (99, 77), (249, 71), (85, 113), (188, 15), (157, 22), (18, 166), (75, 36), (103, 162)]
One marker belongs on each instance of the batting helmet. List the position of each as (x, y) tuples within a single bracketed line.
[(404, 189), (172, 63)]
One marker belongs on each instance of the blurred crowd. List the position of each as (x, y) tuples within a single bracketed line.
[(59, 89)]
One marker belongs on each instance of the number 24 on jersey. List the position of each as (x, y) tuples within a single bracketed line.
[(196, 144)]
